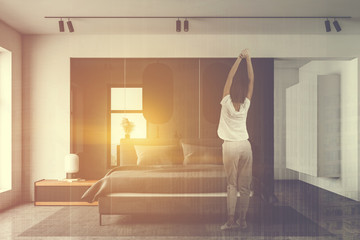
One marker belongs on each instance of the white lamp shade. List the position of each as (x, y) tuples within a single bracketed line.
[(71, 163)]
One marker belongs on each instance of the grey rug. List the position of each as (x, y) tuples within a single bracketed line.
[(84, 221)]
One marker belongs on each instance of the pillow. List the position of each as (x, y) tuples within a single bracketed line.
[(197, 154), (158, 154)]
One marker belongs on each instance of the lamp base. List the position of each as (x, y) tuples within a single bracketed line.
[(70, 175)]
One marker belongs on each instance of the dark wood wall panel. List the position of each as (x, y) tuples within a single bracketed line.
[(158, 93), (184, 118), (197, 90), (213, 77), (261, 124), (186, 97), (92, 78)]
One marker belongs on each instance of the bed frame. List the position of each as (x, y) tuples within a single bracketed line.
[(162, 204)]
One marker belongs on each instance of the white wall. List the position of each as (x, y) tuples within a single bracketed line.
[(46, 66), (347, 184), (11, 40), (284, 77)]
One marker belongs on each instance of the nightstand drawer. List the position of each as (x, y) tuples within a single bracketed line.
[(59, 194)]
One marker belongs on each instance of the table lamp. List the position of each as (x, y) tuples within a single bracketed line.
[(71, 165)]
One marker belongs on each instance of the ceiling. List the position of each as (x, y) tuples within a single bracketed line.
[(28, 16)]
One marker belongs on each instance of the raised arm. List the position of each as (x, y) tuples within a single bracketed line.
[(231, 76), (250, 75)]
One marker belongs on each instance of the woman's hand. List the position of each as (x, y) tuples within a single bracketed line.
[(245, 53)]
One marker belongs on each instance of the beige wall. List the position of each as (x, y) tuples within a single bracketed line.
[(46, 66), (11, 40)]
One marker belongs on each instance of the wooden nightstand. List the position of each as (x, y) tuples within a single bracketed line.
[(56, 192)]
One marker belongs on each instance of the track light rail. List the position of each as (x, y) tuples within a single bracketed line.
[(194, 17), (186, 21)]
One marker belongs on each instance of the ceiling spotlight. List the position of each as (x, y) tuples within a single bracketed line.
[(327, 25), (61, 26), (336, 25), (178, 25), (186, 25), (70, 26)]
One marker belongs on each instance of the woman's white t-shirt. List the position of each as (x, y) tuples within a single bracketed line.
[(232, 125)]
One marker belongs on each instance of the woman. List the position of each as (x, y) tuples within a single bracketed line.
[(237, 154)]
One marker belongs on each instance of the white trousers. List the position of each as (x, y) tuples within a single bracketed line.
[(237, 158)]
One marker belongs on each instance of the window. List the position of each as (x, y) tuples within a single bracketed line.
[(5, 120), (125, 107)]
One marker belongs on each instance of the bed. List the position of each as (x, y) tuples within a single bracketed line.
[(163, 177)]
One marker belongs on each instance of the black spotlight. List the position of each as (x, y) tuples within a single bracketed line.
[(70, 26), (327, 25), (61, 26), (178, 25), (337, 26), (186, 25)]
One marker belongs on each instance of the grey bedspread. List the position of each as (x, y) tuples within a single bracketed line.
[(160, 179)]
